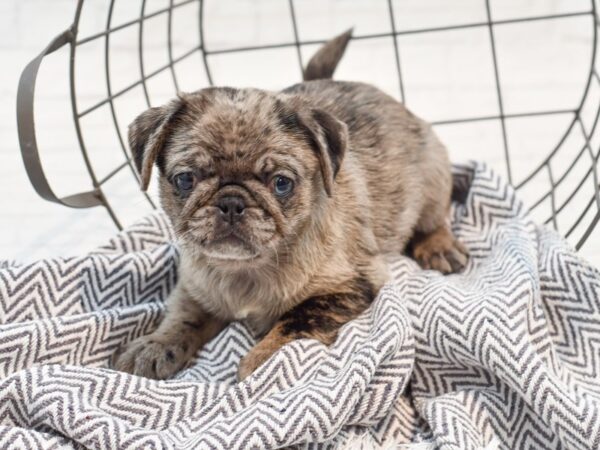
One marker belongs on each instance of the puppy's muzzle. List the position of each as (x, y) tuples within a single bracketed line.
[(231, 208)]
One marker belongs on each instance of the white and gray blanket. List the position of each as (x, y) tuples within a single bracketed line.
[(504, 355)]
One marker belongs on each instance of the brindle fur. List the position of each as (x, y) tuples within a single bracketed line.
[(368, 176)]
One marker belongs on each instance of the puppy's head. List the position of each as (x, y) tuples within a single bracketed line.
[(241, 171)]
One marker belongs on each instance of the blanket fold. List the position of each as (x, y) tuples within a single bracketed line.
[(503, 355)]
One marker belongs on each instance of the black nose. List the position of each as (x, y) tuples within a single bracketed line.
[(232, 207)]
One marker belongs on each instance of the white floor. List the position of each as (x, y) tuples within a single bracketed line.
[(543, 65)]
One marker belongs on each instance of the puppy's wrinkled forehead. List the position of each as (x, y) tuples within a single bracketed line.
[(231, 129), (225, 128)]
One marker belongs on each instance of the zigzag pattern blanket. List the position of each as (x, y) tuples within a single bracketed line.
[(504, 355)]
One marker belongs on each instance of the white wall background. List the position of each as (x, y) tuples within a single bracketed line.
[(447, 75)]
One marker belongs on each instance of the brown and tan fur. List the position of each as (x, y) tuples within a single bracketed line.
[(367, 177)]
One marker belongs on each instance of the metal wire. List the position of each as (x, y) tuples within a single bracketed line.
[(170, 45), (110, 97), (296, 36), (141, 55), (498, 89), (556, 181), (396, 50)]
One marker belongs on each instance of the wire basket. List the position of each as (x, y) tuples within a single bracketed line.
[(125, 56)]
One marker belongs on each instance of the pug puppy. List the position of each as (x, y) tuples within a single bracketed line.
[(285, 205)]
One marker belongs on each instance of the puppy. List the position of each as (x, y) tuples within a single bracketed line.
[(285, 206)]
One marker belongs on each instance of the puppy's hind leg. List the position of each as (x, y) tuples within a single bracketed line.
[(439, 250), (318, 317), (433, 243)]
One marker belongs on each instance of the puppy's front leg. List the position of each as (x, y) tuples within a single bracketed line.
[(317, 318), (185, 328)]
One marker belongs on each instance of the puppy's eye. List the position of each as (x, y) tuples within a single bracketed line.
[(184, 182), (282, 186)]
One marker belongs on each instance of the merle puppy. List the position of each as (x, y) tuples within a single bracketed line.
[(285, 205)]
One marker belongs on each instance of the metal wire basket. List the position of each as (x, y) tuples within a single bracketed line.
[(560, 183)]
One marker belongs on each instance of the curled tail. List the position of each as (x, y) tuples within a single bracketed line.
[(323, 63)]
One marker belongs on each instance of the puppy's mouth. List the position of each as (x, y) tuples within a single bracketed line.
[(230, 248), (245, 239)]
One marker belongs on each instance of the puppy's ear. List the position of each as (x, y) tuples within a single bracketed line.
[(148, 134), (329, 137)]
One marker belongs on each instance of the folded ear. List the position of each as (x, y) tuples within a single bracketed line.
[(148, 134), (329, 137)]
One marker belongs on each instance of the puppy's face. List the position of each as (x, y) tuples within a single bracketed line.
[(241, 171)]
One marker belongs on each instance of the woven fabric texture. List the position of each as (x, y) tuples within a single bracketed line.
[(503, 355)]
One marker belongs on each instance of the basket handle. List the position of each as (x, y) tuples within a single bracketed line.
[(26, 130)]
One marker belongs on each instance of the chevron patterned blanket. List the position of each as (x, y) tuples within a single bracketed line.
[(504, 355)]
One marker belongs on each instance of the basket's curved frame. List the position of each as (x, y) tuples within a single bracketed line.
[(27, 138), (95, 197)]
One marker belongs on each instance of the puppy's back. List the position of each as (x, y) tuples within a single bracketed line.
[(396, 155)]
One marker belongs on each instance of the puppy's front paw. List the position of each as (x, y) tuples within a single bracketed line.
[(440, 251), (148, 357)]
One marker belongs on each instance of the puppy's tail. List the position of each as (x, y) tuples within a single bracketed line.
[(323, 63)]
